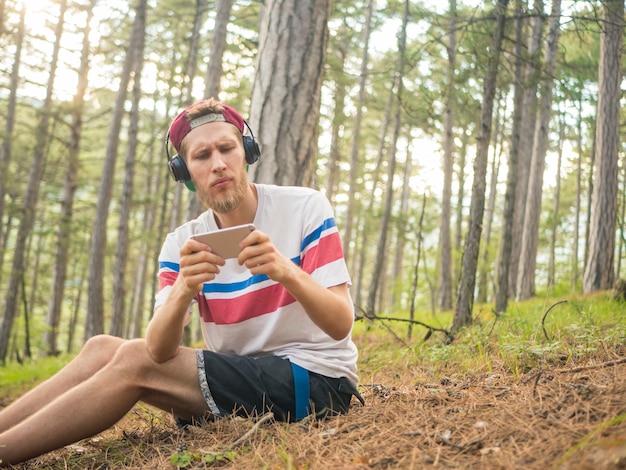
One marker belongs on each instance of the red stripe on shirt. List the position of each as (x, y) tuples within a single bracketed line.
[(245, 307), (328, 249), (167, 278)]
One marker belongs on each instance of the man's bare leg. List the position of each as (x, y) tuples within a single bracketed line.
[(100, 401), (95, 354)]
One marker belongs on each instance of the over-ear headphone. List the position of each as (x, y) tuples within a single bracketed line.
[(178, 167)]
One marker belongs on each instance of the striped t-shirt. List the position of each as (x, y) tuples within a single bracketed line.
[(253, 315)]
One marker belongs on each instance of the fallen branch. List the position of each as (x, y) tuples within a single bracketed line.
[(252, 430), (593, 366), (543, 319), (404, 320)]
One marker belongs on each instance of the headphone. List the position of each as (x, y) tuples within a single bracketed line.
[(178, 167)]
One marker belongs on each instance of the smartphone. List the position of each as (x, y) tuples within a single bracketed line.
[(225, 242)]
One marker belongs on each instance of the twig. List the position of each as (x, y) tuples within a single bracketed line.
[(543, 319), (593, 366), (252, 430), (406, 320)]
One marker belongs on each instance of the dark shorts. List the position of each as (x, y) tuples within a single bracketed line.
[(249, 387)]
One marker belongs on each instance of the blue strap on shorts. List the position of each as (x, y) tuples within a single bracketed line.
[(302, 391)]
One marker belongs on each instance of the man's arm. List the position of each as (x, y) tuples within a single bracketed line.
[(165, 331), (329, 308)]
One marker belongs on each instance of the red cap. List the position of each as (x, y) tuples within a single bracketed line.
[(181, 125)]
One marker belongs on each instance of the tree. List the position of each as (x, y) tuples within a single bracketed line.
[(396, 90), (287, 88), (356, 131), (5, 149), (530, 80), (504, 256), (95, 305), (469, 261), (530, 230), (53, 315), (599, 270), (445, 245), (32, 194), (123, 229)]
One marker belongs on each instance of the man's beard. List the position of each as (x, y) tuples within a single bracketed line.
[(227, 202)]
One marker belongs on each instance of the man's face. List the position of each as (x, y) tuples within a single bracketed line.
[(216, 162)]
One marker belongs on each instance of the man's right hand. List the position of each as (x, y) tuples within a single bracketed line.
[(198, 264)]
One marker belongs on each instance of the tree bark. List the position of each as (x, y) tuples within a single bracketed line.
[(530, 230), (64, 233), (529, 114), (445, 244), (287, 90), (123, 230), (469, 261), (32, 194), (504, 257), (600, 270), (356, 132), (95, 299), (397, 88)]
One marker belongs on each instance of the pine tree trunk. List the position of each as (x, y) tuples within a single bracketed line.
[(95, 299), (529, 115), (397, 88), (123, 228), (530, 230), (31, 196), (600, 270), (469, 262), (445, 246), (356, 132), (287, 90), (64, 234)]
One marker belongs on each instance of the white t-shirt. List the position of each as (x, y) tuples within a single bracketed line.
[(254, 316)]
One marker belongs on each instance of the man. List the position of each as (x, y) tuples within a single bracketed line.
[(276, 320)]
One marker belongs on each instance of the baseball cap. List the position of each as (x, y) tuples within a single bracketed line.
[(182, 125)]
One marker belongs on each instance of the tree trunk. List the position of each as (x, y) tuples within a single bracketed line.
[(530, 230), (356, 131), (95, 298), (555, 205), (529, 114), (123, 227), (445, 246), (599, 271), (287, 90), (469, 261), (396, 88), (579, 170), (214, 69), (504, 257), (5, 150), (194, 206), (64, 234), (484, 266), (32, 194)]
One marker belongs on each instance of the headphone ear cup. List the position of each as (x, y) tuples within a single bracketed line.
[(251, 149), (178, 170)]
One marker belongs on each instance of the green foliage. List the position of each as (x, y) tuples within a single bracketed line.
[(578, 328)]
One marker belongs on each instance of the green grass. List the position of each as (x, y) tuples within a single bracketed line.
[(580, 327), (16, 378), (530, 334)]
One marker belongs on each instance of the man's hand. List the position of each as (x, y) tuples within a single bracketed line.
[(329, 308), (197, 265), (260, 256)]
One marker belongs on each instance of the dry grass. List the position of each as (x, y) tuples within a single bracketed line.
[(556, 416)]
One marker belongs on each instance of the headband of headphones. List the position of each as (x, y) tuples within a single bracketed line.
[(181, 126)]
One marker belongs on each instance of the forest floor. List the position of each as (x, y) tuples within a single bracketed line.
[(569, 416)]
